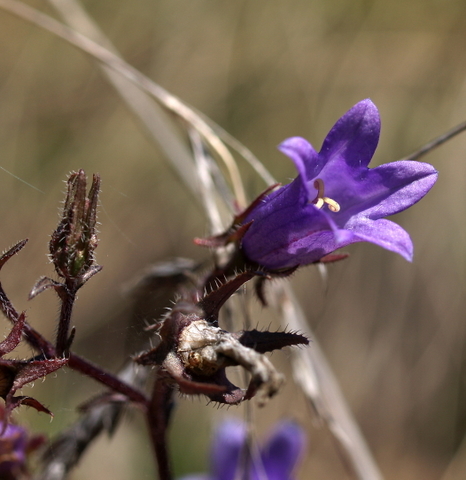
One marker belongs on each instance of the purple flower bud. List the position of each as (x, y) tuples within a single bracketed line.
[(275, 460), (336, 199)]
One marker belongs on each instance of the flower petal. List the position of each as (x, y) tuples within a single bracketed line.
[(404, 183), (13, 449), (228, 444), (384, 233), (306, 159), (284, 229), (354, 137), (378, 192), (283, 450)]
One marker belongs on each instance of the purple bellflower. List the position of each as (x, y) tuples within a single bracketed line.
[(16, 445), (13, 443), (276, 460), (336, 199)]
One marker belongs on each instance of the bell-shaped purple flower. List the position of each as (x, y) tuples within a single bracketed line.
[(13, 444), (336, 199), (16, 446), (276, 460)]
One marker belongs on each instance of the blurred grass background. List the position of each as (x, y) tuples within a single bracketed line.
[(393, 332)]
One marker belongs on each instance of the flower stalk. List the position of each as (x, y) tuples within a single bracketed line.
[(72, 251)]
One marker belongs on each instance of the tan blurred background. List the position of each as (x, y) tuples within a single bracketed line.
[(394, 332)]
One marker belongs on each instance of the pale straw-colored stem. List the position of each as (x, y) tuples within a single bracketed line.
[(114, 62), (312, 372)]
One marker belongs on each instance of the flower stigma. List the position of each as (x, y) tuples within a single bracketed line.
[(321, 199)]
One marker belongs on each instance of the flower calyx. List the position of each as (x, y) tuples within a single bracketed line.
[(238, 228)]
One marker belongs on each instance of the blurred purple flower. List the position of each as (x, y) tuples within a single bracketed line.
[(13, 446), (276, 460), (336, 200)]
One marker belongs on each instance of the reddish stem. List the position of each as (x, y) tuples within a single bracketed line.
[(67, 302), (111, 381), (34, 338), (158, 416), (43, 346)]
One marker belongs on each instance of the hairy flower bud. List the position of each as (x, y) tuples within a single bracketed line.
[(74, 241)]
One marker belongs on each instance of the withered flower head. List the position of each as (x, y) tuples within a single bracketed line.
[(194, 351), (74, 241)]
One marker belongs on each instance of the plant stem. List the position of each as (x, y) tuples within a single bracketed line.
[(158, 416), (436, 142), (75, 362), (108, 379), (67, 303), (34, 338)]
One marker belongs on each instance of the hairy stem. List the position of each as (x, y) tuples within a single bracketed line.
[(66, 450), (62, 343), (158, 417), (108, 379), (34, 338), (75, 362)]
